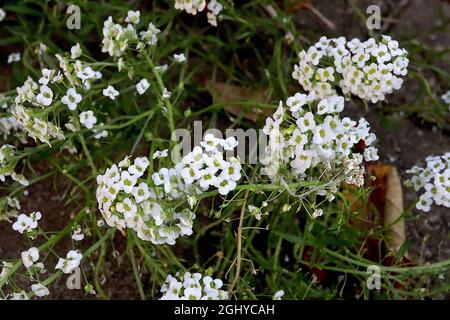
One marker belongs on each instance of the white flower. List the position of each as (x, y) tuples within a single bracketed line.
[(166, 94), (100, 133), (225, 184), (296, 102), (14, 57), (30, 256), (71, 99), (26, 223), (180, 58), (278, 295), (71, 262), (254, 211), (141, 192), (77, 235), (2, 14), (142, 86), (306, 122), (133, 17), (88, 119), (424, 203), (160, 154), (75, 51), (215, 7), (110, 92), (45, 96), (446, 97), (128, 181), (40, 290), (229, 143), (139, 166), (317, 213)]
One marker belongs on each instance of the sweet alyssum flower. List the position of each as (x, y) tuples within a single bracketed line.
[(2, 14), (142, 86), (45, 96), (40, 290), (110, 92), (26, 223), (71, 99), (192, 286), (133, 17), (88, 119), (160, 154), (278, 295), (71, 262), (180, 58), (14, 57), (29, 257), (434, 179), (369, 69), (75, 51)]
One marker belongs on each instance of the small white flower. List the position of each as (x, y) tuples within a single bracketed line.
[(142, 86), (160, 154), (317, 213), (306, 122), (110, 92), (30, 256), (215, 7), (133, 17), (71, 99), (71, 262), (278, 295), (166, 94), (180, 58), (2, 14), (77, 235), (88, 119), (40, 290), (446, 97), (14, 57), (75, 51), (141, 192), (128, 181), (45, 96)]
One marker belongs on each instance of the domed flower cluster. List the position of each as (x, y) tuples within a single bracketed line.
[(192, 286), (117, 39), (203, 167), (195, 6), (34, 100), (128, 200), (434, 179), (301, 141), (369, 70)]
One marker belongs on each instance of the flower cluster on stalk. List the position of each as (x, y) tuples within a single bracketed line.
[(308, 140), (369, 70), (128, 198), (434, 180), (192, 286)]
